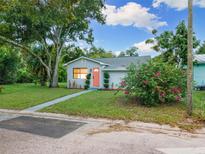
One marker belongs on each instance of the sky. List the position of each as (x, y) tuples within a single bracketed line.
[(129, 22)]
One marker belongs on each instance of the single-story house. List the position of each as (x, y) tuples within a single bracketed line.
[(116, 67), (199, 70)]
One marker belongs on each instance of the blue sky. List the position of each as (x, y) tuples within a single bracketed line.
[(129, 23)]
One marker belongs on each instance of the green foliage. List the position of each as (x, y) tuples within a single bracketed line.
[(62, 75), (106, 75), (40, 18), (36, 68), (9, 64), (13, 66), (132, 51), (99, 53), (49, 24), (156, 83), (24, 75), (70, 53), (88, 76), (87, 81), (201, 50), (106, 80), (173, 45)]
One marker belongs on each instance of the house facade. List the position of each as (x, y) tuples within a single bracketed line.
[(116, 67), (199, 70)]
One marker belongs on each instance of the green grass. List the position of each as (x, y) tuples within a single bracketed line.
[(104, 104), (21, 96), (199, 104)]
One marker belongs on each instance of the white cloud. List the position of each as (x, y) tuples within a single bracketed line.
[(200, 3), (146, 49), (178, 4), (132, 14)]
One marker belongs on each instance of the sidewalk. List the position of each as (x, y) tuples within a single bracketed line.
[(55, 101)]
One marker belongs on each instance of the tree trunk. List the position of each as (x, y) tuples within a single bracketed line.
[(54, 81), (190, 58), (43, 78)]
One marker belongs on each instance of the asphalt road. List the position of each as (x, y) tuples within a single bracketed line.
[(22, 134)]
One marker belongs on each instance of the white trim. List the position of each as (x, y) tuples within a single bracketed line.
[(116, 70), (101, 63), (199, 58)]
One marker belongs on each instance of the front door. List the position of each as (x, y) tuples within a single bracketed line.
[(96, 77)]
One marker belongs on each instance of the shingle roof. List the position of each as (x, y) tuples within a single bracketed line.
[(200, 58), (82, 57), (121, 63)]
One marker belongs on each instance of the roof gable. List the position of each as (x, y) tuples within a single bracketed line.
[(86, 58), (121, 63), (200, 58), (118, 63)]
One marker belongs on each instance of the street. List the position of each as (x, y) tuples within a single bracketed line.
[(90, 136)]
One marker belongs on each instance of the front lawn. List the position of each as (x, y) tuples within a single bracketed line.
[(21, 96), (104, 104)]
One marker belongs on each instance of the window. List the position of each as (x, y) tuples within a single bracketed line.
[(80, 73)]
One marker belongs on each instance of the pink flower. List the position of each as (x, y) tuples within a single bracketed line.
[(162, 94), (146, 82), (176, 90), (126, 92), (157, 74), (178, 98), (123, 83)]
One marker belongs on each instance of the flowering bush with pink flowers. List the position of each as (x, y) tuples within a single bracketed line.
[(155, 83)]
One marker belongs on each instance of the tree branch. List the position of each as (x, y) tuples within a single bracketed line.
[(27, 49)]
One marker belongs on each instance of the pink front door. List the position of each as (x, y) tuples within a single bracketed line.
[(96, 77)]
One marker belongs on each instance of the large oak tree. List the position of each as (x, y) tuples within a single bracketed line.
[(52, 24)]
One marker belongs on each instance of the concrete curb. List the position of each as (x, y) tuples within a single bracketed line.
[(135, 124)]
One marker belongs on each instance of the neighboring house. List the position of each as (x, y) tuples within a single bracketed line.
[(116, 67), (199, 70)]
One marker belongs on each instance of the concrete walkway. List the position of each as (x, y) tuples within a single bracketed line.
[(58, 100)]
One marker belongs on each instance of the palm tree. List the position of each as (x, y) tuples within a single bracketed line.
[(190, 58)]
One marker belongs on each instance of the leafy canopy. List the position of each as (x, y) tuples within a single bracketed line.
[(39, 19), (173, 45), (201, 49), (52, 24)]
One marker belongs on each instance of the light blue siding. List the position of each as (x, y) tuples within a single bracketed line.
[(82, 63), (199, 74), (115, 76)]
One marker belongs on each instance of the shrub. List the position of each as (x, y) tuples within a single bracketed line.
[(86, 86), (106, 85), (106, 75), (156, 83), (106, 80), (9, 64), (87, 81), (24, 76), (88, 76)]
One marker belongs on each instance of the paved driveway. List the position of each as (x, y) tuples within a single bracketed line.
[(92, 137)]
